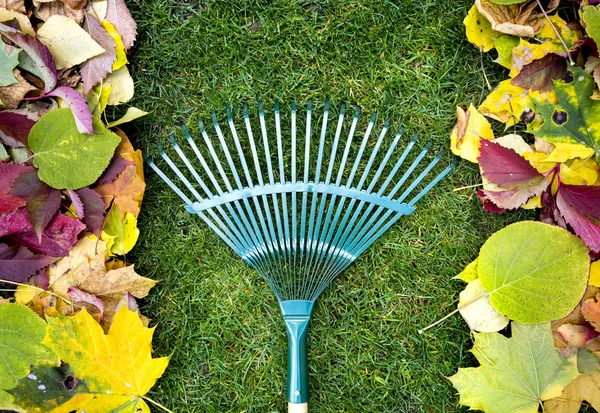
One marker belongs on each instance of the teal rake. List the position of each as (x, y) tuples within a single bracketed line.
[(298, 225)]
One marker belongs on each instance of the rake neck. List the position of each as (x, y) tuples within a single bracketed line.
[(296, 314)]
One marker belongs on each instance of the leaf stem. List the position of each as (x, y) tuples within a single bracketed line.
[(421, 331), (466, 187), (38, 289), (557, 33), (483, 69), (157, 404)]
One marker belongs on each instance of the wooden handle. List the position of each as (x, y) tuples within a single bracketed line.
[(297, 407)]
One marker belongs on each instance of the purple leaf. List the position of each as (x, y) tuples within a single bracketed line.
[(118, 14), (538, 74), (95, 69), (42, 200), (93, 208), (58, 238), (79, 296), (510, 199), (578, 205), (15, 223), (78, 105), (40, 279), (9, 172), (40, 55), (17, 264), (505, 167), (9, 203), (76, 203), (15, 125), (129, 301), (7, 29), (115, 167), (488, 204)]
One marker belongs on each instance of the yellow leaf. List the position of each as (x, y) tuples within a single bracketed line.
[(533, 203), (98, 8), (67, 41), (470, 272), (595, 274), (122, 86), (569, 35), (479, 30), (131, 114), (23, 20), (470, 127), (120, 48), (514, 142), (526, 53), (506, 103), (584, 387), (117, 368), (477, 310), (123, 233)]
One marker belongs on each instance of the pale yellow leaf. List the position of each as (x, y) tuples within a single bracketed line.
[(131, 114), (122, 86), (480, 314), (23, 20), (470, 127)]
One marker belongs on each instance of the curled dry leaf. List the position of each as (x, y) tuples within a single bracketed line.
[(16, 5), (45, 10), (12, 96), (515, 19)]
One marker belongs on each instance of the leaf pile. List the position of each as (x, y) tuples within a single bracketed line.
[(533, 273), (71, 188)]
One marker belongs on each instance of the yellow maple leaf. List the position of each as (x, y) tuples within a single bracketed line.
[(526, 53), (506, 103), (479, 30), (117, 368), (470, 127), (569, 35)]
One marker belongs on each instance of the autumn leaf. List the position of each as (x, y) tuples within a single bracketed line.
[(73, 100), (43, 10), (578, 205), (595, 273), (15, 125), (516, 373), (506, 168), (479, 30), (576, 119), (539, 73), (95, 69), (65, 157), (514, 19), (111, 372), (118, 14), (92, 209), (20, 347), (9, 59), (504, 46), (590, 309), (122, 86), (591, 18), (18, 263), (11, 96), (120, 51), (507, 103), (120, 234), (471, 127), (477, 310), (127, 191)]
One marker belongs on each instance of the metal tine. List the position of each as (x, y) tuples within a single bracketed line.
[(277, 241), (168, 181), (306, 169), (318, 232), (294, 198), (315, 195), (257, 233)]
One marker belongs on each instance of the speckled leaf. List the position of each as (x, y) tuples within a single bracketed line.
[(576, 119), (524, 266), (67, 158), (517, 373), (479, 30)]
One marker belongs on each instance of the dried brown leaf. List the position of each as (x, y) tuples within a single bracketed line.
[(11, 96)]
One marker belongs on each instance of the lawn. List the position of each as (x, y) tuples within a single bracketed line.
[(214, 316)]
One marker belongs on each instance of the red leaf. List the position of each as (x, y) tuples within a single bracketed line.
[(118, 14), (40, 55), (488, 204), (510, 199), (115, 167), (93, 208), (9, 203), (576, 205), (15, 125), (14, 223), (505, 167), (95, 69), (538, 74), (79, 107), (9, 172), (58, 238), (18, 263), (42, 200), (77, 204)]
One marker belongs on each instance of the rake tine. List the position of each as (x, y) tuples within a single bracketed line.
[(168, 181)]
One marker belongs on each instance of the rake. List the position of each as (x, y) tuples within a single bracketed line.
[(296, 224)]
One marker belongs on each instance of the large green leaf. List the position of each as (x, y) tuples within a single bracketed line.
[(20, 347), (591, 18), (66, 158), (534, 272), (517, 373), (576, 118)]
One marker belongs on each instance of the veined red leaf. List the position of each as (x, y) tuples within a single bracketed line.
[(18, 263), (15, 223), (79, 107), (93, 209), (538, 74), (57, 239), (118, 14), (15, 125), (42, 201), (9, 203), (95, 69), (576, 206), (9, 172), (77, 204), (510, 199), (115, 167), (40, 55), (505, 167)]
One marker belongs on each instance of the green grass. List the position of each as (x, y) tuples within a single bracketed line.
[(215, 317)]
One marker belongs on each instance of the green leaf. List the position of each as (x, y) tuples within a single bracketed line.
[(20, 347), (7, 63), (534, 272), (517, 373), (591, 18), (576, 118), (469, 273), (66, 158), (120, 235), (504, 46)]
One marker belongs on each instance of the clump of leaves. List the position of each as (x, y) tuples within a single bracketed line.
[(532, 272)]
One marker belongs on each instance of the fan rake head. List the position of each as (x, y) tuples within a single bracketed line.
[(298, 209)]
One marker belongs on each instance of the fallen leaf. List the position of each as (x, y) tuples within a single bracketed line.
[(15, 125), (44, 11), (121, 56), (118, 14), (68, 42), (17, 264), (504, 46), (506, 168), (539, 73), (66, 158), (576, 336), (590, 309), (517, 373), (121, 84), (131, 114), (585, 387), (595, 274), (97, 360), (95, 69), (98, 9), (120, 234), (471, 127), (115, 167), (479, 30), (93, 208), (497, 200), (12, 96), (525, 53), (57, 239), (469, 273), (16, 5), (591, 18), (22, 19), (9, 59), (88, 301), (507, 103), (73, 100), (478, 312), (514, 19), (578, 205)]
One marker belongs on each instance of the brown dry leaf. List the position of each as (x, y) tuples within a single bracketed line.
[(590, 309), (515, 19), (11, 96), (584, 387), (75, 4), (16, 5), (45, 10)]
